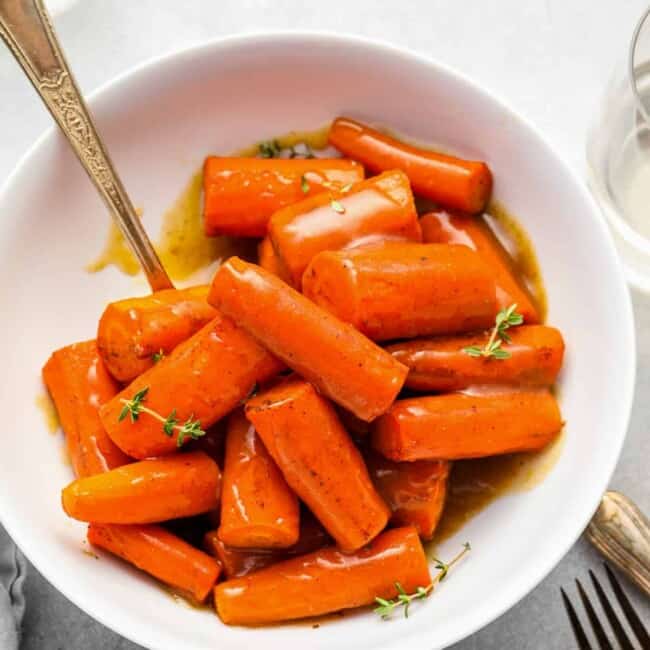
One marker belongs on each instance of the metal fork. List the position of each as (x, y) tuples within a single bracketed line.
[(619, 632)]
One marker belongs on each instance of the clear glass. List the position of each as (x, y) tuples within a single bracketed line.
[(618, 157)]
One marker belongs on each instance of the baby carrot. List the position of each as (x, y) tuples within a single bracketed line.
[(79, 384), (319, 461), (267, 259), (440, 364), (237, 562), (145, 492), (446, 227), (203, 379), (374, 210), (453, 182), (403, 289), (415, 491), (258, 509), (325, 581), (458, 425), (240, 194), (135, 332), (341, 362), (161, 554)]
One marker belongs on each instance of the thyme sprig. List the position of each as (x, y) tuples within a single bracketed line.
[(134, 407), (158, 356), (505, 319), (273, 149), (386, 607)]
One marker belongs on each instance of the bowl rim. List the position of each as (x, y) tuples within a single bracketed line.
[(540, 569)]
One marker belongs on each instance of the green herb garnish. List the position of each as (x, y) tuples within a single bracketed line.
[(270, 149), (385, 607), (158, 356), (191, 428), (336, 206), (505, 319), (304, 184)]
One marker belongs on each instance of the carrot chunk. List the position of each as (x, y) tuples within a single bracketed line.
[(455, 228), (415, 491), (79, 384), (146, 492), (453, 182), (374, 210), (400, 290), (325, 581), (204, 378), (440, 364), (134, 332), (241, 194), (161, 554), (458, 425), (297, 426), (258, 509), (341, 362)]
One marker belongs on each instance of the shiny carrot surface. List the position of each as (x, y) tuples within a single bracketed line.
[(400, 290), (458, 425), (374, 210), (204, 378), (240, 194), (237, 562), (148, 491), (161, 554), (79, 384), (325, 581), (268, 259), (440, 364), (320, 462), (258, 509), (415, 491), (132, 331), (450, 181), (456, 228), (342, 363)]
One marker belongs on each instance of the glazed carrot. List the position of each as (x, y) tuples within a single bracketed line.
[(161, 554), (147, 491), (450, 181), (342, 363), (79, 384), (458, 425), (319, 461), (258, 509), (456, 228), (440, 364), (403, 289), (374, 210), (240, 194), (132, 331), (415, 491), (237, 562), (204, 378), (267, 259), (325, 581)]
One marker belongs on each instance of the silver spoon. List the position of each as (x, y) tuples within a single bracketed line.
[(26, 28)]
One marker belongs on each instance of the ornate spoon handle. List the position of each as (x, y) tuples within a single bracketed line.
[(621, 532), (26, 28)]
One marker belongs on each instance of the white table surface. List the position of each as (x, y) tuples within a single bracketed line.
[(548, 58)]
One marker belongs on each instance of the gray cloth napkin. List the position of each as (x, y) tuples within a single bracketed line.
[(12, 600)]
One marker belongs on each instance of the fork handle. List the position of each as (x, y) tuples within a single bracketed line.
[(621, 532), (26, 28)]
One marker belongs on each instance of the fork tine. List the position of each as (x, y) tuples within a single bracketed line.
[(632, 617), (593, 619), (579, 633), (611, 615)]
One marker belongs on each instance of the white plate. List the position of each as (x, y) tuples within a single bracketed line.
[(160, 121)]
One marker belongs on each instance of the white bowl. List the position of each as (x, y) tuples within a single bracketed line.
[(160, 121)]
